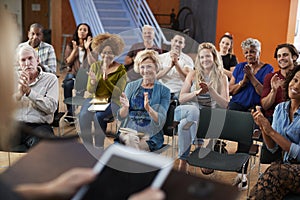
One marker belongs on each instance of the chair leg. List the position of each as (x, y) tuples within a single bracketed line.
[(8, 156)]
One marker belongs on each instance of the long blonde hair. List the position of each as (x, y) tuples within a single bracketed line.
[(216, 73), (7, 80)]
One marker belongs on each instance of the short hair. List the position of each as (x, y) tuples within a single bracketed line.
[(36, 25), (106, 39), (148, 26), (290, 47), (250, 42), (288, 79), (144, 55), (27, 48)]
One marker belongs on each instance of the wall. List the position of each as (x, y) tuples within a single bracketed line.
[(158, 7), (270, 21), (62, 23)]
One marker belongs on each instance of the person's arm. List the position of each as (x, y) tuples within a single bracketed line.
[(62, 187), (71, 53), (222, 99), (148, 194), (235, 88), (90, 55), (270, 88), (48, 100), (270, 136), (253, 80), (228, 73), (51, 60), (185, 92)]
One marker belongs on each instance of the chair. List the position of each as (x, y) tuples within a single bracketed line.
[(228, 125), (80, 88), (170, 126)]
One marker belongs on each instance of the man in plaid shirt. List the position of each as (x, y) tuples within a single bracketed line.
[(46, 53)]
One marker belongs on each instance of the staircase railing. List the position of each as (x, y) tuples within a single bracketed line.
[(141, 14), (84, 11)]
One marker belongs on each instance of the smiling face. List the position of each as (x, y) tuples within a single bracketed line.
[(148, 34), (107, 54), (148, 69), (35, 36), (225, 45), (294, 87), (206, 59), (82, 31), (251, 54), (285, 59)]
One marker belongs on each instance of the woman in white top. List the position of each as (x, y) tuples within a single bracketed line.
[(206, 86)]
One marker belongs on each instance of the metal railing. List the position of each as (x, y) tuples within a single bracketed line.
[(142, 15), (85, 11)]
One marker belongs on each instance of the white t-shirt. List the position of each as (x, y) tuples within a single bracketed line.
[(172, 79)]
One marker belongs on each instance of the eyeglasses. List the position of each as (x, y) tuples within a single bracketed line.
[(107, 53)]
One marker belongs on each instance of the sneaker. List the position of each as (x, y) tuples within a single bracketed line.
[(69, 120), (237, 180), (243, 185)]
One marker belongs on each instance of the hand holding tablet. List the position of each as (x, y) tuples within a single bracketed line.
[(123, 171)]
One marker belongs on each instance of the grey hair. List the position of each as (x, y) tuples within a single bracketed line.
[(148, 26), (36, 25), (250, 42), (28, 48)]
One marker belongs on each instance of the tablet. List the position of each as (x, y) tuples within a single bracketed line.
[(123, 171)]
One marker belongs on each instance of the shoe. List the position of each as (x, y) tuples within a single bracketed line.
[(207, 171), (237, 180), (69, 120), (243, 185)]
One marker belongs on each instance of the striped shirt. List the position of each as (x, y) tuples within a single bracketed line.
[(46, 55)]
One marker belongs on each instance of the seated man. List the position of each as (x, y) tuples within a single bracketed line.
[(44, 50), (36, 96), (148, 43), (175, 66)]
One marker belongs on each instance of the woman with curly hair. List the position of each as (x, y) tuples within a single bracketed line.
[(106, 81), (283, 177), (206, 86), (78, 53)]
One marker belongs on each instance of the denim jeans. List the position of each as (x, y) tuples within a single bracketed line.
[(188, 117), (68, 85), (86, 118)]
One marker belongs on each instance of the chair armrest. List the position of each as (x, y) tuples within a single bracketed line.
[(256, 134), (253, 149)]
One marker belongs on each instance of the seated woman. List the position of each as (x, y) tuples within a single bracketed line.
[(281, 178), (107, 80), (144, 104), (206, 86)]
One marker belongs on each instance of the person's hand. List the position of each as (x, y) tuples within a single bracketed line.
[(248, 70), (124, 101), (62, 187), (75, 46), (67, 184), (87, 42), (23, 86), (174, 58), (276, 82), (146, 101), (148, 194), (92, 76), (203, 89), (261, 120)]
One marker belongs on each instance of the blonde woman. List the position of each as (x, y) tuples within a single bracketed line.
[(144, 104), (206, 86)]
